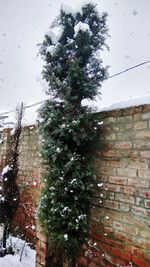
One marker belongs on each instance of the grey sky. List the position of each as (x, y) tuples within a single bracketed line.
[(23, 24)]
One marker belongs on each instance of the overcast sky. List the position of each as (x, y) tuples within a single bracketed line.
[(23, 24)]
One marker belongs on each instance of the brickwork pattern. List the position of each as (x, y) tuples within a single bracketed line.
[(120, 227), (29, 182)]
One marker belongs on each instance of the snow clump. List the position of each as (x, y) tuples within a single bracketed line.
[(83, 27), (55, 34), (6, 169)]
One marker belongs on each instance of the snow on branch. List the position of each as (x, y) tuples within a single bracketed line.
[(80, 26)]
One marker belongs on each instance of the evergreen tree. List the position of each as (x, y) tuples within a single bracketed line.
[(74, 73)]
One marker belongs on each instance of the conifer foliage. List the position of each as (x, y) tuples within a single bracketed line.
[(74, 73)]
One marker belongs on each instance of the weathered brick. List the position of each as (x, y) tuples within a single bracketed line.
[(110, 137), (137, 117), (123, 127), (126, 172), (143, 243), (131, 229), (124, 136), (114, 205), (107, 170), (111, 154), (117, 180), (129, 190), (113, 163), (145, 234), (144, 174), (124, 198), (140, 211), (139, 164), (124, 207), (124, 119), (142, 135), (140, 125), (123, 145), (145, 154), (113, 187), (117, 225), (109, 120), (138, 183), (145, 116), (141, 145)]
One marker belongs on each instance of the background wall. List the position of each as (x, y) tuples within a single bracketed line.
[(120, 233), (120, 221)]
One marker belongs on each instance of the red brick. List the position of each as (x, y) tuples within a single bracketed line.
[(92, 264), (129, 190), (131, 229), (134, 251), (117, 180), (121, 254), (116, 261), (117, 225), (123, 145), (41, 236), (140, 262), (82, 261), (114, 205), (103, 246), (111, 154)]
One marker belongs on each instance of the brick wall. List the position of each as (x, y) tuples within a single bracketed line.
[(28, 178), (120, 226), (29, 182), (120, 221)]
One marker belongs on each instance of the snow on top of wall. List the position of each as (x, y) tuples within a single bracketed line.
[(80, 26), (128, 103)]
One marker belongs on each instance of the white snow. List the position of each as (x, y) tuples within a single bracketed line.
[(100, 185), (80, 26), (6, 169), (55, 34), (128, 103), (28, 257), (51, 49), (68, 9), (66, 237)]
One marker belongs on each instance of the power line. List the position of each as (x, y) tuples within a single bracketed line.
[(112, 76), (131, 68), (29, 106)]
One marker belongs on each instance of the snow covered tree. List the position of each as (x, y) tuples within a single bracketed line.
[(74, 72)]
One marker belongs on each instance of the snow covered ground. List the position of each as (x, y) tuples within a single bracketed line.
[(28, 256)]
